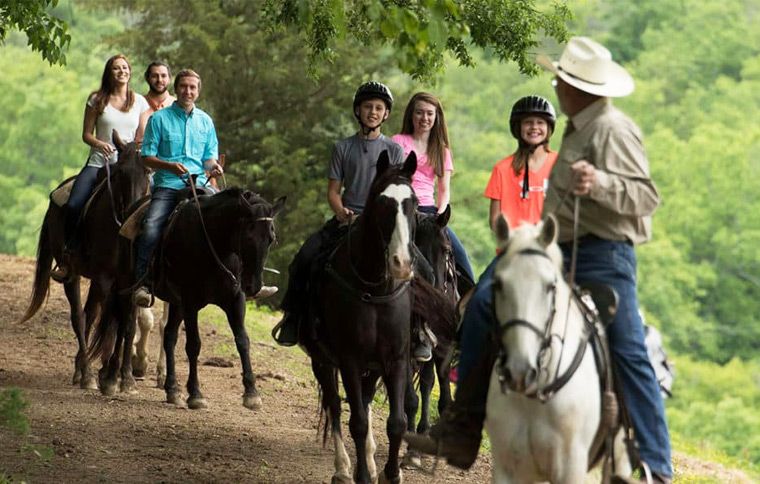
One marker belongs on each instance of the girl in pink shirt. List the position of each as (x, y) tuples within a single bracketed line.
[(424, 132)]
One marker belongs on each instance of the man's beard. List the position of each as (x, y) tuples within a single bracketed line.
[(154, 92)]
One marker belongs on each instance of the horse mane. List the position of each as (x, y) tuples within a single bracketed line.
[(528, 236), (231, 195)]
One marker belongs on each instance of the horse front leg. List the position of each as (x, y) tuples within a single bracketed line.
[(443, 372), (92, 311), (81, 361), (161, 365), (127, 314), (395, 381), (369, 386), (195, 398), (357, 424), (236, 318), (140, 350), (412, 459), (427, 381), (170, 341)]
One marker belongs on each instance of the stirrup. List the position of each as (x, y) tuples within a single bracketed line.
[(61, 274), (277, 334)]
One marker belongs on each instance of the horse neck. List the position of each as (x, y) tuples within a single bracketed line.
[(222, 227), (367, 251)]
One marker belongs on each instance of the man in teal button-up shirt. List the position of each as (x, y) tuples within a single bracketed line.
[(180, 141)]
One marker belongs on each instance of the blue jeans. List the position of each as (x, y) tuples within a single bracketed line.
[(614, 264), (162, 203), (80, 193), (460, 254)]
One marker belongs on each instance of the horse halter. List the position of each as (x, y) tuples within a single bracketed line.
[(544, 336)]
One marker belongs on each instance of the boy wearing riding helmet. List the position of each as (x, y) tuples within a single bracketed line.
[(517, 189), (518, 183), (350, 175)]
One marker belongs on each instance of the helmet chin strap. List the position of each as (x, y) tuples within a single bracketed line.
[(524, 193)]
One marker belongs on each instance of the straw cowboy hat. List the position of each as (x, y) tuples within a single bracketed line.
[(588, 66)]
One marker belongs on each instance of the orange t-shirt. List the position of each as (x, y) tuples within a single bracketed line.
[(506, 187)]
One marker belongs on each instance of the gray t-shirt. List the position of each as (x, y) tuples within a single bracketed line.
[(353, 162)]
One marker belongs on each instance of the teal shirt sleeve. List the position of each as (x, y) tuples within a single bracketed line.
[(151, 138), (211, 150)]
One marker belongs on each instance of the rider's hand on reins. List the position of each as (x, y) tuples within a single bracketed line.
[(346, 216), (214, 169), (584, 177), (179, 169)]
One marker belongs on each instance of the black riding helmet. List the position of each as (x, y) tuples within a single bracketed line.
[(373, 90), (531, 106)]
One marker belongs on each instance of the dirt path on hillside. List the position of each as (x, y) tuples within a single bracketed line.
[(81, 436)]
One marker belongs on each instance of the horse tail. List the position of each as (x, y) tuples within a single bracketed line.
[(433, 307), (325, 419), (42, 270), (104, 332)]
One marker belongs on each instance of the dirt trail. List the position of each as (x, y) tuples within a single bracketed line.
[(81, 436)]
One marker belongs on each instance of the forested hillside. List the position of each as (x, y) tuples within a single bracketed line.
[(697, 71)]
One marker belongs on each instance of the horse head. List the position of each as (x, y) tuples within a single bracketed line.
[(433, 241), (391, 210), (257, 234), (129, 174), (526, 281)]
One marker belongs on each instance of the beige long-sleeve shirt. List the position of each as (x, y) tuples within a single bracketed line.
[(623, 199)]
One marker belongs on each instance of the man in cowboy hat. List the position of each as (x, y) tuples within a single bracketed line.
[(602, 162)]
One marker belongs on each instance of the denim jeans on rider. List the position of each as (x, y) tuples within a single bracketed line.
[(477, 325), (460, 254), (614, 263), (80, 193), (162, 203)]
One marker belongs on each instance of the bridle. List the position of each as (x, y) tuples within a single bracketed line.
[(545, 337)]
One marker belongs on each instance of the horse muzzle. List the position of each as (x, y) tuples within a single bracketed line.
[(517, 377)]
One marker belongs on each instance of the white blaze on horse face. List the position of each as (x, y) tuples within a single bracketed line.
[(399, 258)]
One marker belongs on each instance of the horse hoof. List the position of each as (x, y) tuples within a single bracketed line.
[(128, 386), (108, 389), (252, 402), (174, 398), (77, 378), (340, 479), (197, 403), (383, 479), (411, 460), (160, 381), (88, 383)]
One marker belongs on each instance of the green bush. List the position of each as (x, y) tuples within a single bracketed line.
[(12, 405)]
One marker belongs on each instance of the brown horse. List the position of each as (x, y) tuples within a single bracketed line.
[(97, 255), (364, 310), (213, 252)]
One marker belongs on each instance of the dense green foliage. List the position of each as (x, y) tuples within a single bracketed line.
[(423, 31), (45, 32), (697, 69)]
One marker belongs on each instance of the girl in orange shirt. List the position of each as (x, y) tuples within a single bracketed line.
[(515, 191)]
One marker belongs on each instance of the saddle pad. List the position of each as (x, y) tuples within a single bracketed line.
[(60, 195), (130, 229)]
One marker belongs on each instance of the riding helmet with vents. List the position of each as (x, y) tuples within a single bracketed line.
[(531, 106), (373, 90)]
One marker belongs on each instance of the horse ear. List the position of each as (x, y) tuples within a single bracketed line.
[(502, 230), (549, 231), (279, 204), (117, 142), (443, 218), (410, 165), (383, 162)]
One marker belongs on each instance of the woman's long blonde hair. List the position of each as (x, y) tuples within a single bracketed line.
[(439, 134)]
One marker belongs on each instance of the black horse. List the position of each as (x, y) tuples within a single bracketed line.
[(434, 244), (365, 303), (97, 255), (212, 252)]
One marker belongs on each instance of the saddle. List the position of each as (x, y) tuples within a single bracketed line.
[(60, 195)]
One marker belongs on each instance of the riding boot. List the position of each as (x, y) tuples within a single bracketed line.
[(62, 272), (457, 435), (285, 332)]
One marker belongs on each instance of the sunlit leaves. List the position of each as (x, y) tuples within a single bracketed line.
[(46, 33)]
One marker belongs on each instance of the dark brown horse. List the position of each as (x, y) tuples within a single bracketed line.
[(213, 252), (434, 244), (365, 304), (97, 255)]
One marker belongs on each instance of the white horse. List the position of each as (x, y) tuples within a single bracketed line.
[(540, 432)]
